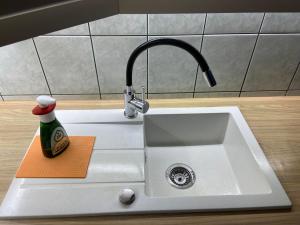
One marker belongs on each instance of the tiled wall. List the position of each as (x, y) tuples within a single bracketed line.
[(251, 54)]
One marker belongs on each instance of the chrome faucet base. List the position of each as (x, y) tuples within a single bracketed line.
[(133, 105), (130, 116)]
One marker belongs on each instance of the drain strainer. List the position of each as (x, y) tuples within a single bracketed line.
[(180, 176)]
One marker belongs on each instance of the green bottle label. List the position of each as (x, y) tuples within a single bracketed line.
[(59, 140)]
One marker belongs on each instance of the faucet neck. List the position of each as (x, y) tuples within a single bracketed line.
[(173, 42), (129, 90)]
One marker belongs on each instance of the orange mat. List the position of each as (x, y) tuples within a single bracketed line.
[(72, 163)]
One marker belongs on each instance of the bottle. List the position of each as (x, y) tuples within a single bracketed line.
[(54, 139)]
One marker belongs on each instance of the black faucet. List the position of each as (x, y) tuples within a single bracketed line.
[(134, 104)]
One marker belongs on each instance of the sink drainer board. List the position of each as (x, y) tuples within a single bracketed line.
[(191, 159)]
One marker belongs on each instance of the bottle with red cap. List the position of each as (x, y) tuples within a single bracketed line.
[(54, 139)]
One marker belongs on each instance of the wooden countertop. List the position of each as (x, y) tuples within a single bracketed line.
[(275, 121)]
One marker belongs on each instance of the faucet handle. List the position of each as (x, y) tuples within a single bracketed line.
[(143, 93)]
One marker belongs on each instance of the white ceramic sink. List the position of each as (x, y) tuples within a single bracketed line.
[(192, 159)]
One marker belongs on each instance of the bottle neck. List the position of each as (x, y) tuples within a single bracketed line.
[(47, 118)]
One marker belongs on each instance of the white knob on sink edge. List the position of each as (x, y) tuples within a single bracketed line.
[(127, 196)]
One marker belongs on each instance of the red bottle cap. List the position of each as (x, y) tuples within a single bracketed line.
[(42, 111), (46, 104)]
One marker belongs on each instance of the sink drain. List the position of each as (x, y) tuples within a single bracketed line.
[(180, 176)]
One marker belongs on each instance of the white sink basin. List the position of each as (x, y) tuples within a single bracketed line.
[(212, 145), (192, 159)]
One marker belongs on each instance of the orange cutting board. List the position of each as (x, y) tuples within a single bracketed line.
[(72, 163)]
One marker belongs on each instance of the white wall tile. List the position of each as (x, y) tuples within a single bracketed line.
[(281, 23), (228, 57), (296, 81), (81, 29), (122, 24), (68, 64), (172, 69), (216, 94), (170, 95), (293, 93), (172, 24), (274, 62), (262, 93), (20, 97), (112, 54), (112, 96), (76, 97), (20, 70), (222, 23)]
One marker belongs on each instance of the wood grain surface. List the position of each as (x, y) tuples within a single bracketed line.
[(275, 121)]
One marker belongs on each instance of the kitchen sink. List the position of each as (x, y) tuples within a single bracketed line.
[(174, 159)]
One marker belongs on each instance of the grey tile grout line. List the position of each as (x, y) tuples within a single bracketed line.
[(261, 91), (75, 94), (190, 92), (156, 93), (183, 92), (38, 55), (197, 70), (52, 94), (192, 34), (251, 57), (147, 56), (294, 75), (94, 58)]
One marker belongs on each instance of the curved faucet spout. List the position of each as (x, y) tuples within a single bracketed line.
[(173, 42), (133, 105)]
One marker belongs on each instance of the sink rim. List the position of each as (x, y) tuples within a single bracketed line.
[(277, 190), (235, 112), (145, 204)]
